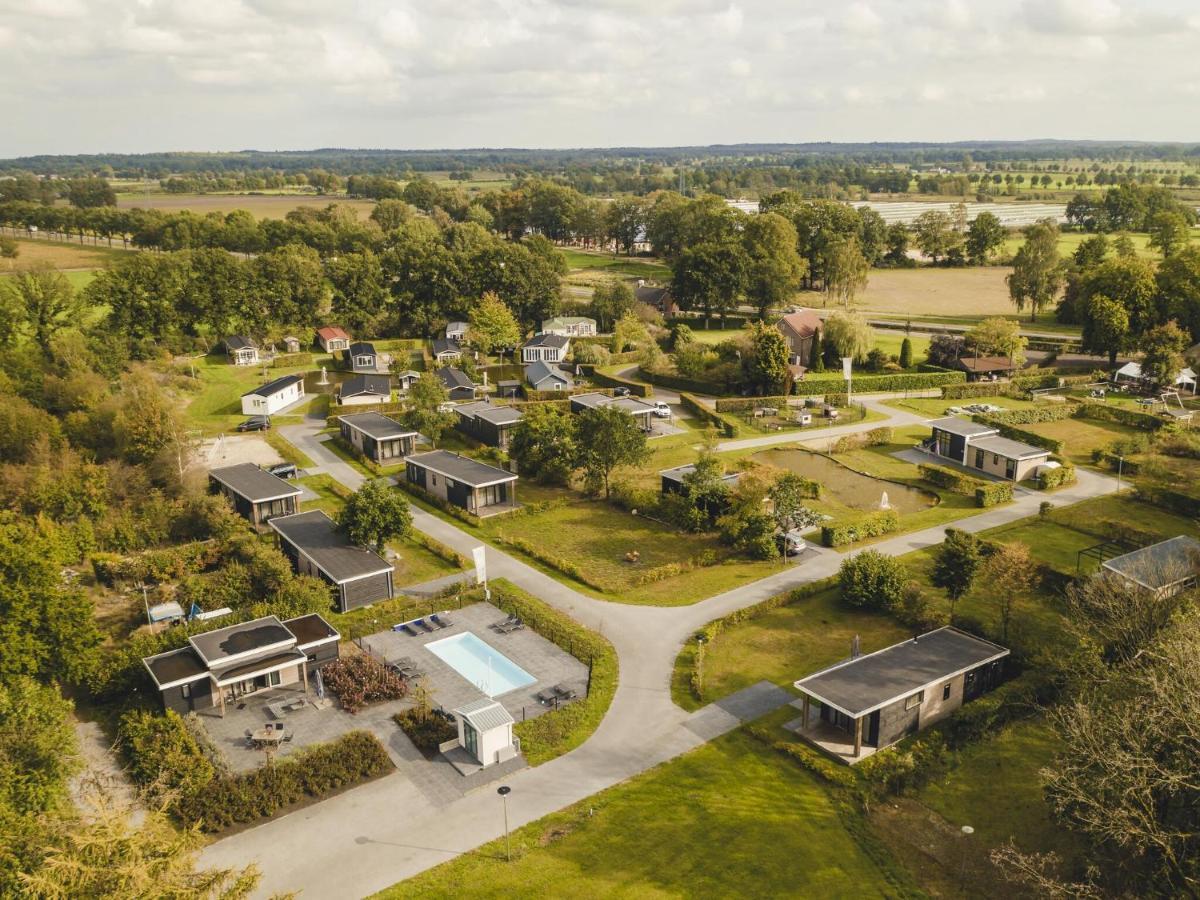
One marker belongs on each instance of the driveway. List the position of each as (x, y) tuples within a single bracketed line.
[(380, 833)]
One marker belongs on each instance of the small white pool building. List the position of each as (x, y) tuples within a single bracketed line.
[(485, 731)]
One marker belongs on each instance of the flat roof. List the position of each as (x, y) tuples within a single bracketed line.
[(234, 642), (461, 468), (866, 683), (677, 473), (962, 427), (485, 714), (376, 426), (316, 536), (251, 482), (176, 667), (482, 409), (1159, 565), (260, 665), (311, 629), (274, 387), (1008, 448)]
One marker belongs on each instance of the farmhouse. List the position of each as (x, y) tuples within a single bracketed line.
[(545, 377), (872, 701), (457, 384), (241, 350), (551, 348), (569, 326), (457, 331), (361, 390), (377, 437), (467, 483), (981, 447), (332, 338), (273, 396), (657, 297), (256, 495), (220, 667), (491, 425), (639, 409), (364, 359), (1131, 373), (800, 330), (1166, 568), (312, 541), (446, 350)]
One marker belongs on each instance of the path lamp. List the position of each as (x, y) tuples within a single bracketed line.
[(1120, 468), (967, 831), (504, 790)]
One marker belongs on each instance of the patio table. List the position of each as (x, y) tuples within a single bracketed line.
[(267, 736)]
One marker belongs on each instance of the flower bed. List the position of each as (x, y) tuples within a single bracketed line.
[(361, 680)]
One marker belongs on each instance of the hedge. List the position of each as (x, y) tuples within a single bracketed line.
[(679, 383), (555, 733), (871, 525), (445, 506), (560, 563), (740, 404), (876, 437), (728, 428), (949, 479), (159, 565), (291, 360), (1033, 415), (615, 381), (1183, 504), (912, 381), (1047, 479), (1132, 417), (1019, 434), (993, 493)]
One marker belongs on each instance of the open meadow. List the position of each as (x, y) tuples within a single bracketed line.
[(262, 206)]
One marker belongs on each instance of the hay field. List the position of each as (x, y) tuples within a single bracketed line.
[(937, 292), (262, 206)]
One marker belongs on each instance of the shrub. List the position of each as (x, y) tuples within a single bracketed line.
[(728, 428), (426, 729), (1052, 478), (291, 360), (873, 524), (952, 480), (1020, 434), (445, 506), (360, 680), (993, 493), (871, 580), (163, 756), (908, 381), (876, 437), (1132, 417)]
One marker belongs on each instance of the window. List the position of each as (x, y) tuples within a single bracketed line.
[(915, 700), (946, 691), (979, 459), (433, 478), (995, 460)]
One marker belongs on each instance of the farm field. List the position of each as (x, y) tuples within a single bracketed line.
[(263, 206), (63, 255), (607, 264), (1068, 241), (976, 291), (729, 819)]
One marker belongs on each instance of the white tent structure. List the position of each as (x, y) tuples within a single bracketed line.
[(1132, 372)]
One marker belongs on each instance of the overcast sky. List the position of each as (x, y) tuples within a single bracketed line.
[(82, 76)]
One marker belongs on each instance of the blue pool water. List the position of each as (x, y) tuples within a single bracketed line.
[(480, 663)]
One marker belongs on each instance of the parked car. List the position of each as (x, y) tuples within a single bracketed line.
[(662, 409), (284, 470), (256, 423), (621, 392)]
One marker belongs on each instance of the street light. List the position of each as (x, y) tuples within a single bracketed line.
[(504, 790), (967, 831), (1120, 468)]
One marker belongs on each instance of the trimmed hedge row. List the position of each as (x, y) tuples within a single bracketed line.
[(993, 493), (1132, 417), (1019, 434), (980, 389), (679, 383), (949, 479), (555, 733), (445, 506), (740, 404), (695, 407), (1048, 479), (1182, 504), (874, 524), (1033, 415), (290, 360), (615, 381), (876, 437), (914, 381)]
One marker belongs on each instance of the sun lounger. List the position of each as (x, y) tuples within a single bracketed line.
[(504, 623), (546, 696), (440, 620), (411, 629), (563, 692), (421, 623)]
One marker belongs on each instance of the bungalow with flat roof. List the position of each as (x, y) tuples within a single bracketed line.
[(979, 446), (363, 390), (1165, 569), (458, 385), (219, 667), (270, 398), (672, 482), (457, 331), (366, 360), (874, 700), (377, 437), (256, 495), (488, 424), (542, 376), (445, 350), (333, 338), (241, 350), (800, 330), (551, 348), (639, 409), (569, 326), (478, 488), (315, 546)]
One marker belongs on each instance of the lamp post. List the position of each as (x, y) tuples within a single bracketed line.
[(1120, 469), (504, 790), (967, 831)]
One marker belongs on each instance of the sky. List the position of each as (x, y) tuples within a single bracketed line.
[(89, 76)]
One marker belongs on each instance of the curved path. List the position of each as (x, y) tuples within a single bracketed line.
[(380, 833)]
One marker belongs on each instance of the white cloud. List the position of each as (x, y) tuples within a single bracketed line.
[(1080, 17), (860, 19), (739, 68)]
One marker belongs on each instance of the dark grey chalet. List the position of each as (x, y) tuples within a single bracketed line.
[(476, 487), (874, 700), (377, 437), (312, 541), (256, 495), (488, 424), (222, 666)]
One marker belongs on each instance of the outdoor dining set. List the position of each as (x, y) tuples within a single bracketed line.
[(270, 736)]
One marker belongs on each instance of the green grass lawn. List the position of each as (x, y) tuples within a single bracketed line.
[(889, 342), (217, 406), (731, 819), (937, 406), (607, 264), (1081, 436), (1045, 322)]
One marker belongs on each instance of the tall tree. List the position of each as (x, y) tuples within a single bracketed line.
[(766, 365), (428, 398), (1178, 284), (375, 514), (625, 222), (611, 299), (985, 236), (709, 277), (997, 336), (1169, 232), (848, 334), (544, 444), (934, 234), (44, 302), (846, 271), (492, 326), (608, 438), (1105, 327), (1010, 574), (958, 559), (774, 267), (1162, 348), (1037, 274)]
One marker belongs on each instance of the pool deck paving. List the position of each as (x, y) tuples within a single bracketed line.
[(370, 837)]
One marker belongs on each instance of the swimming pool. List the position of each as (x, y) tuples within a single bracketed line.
[(480, 663)]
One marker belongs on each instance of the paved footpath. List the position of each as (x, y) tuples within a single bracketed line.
[(380, 833)]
